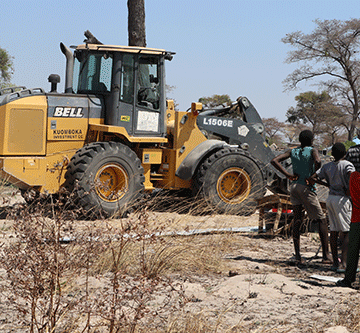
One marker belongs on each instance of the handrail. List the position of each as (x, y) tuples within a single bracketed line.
[(22, 93), (10, 90)]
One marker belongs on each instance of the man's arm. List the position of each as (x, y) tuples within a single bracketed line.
[(315, 179), (316, 157), (317, 165), (349, 170), (276, 162)]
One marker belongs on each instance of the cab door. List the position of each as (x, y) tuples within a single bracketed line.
[(149, 96)]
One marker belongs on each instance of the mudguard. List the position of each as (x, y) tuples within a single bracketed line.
[(188, 166)]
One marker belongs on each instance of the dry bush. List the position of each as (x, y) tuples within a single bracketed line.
[(51, 269), (38, 271), (41, 267), (112, 277), (7, 193)]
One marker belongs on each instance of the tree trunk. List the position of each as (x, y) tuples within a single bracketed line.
[(136, 23), (351, 131)]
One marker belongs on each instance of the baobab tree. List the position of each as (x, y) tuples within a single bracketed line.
[(330, 52), (136, 23)]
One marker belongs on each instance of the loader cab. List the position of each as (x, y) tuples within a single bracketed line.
[(130, 81)]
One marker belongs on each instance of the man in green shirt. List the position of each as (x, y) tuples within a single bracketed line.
[(305, 161)]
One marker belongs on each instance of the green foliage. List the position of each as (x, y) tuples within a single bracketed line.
[(317, 109), (6, 68), (310, 105), (215, 100), (349, 144)]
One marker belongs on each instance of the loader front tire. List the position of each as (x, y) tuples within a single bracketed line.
[(230, 181), (107, 178)]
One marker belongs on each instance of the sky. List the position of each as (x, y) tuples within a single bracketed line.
[(222, 46)]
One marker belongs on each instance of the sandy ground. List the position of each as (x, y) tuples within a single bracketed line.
[(264, 291), (261, 290)]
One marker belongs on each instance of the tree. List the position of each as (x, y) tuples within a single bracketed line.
[(333, 128), (292, 131), (332, 134), (347, 122), (6, 68), (331, 52), (169, 89), (136, 23), (314, 108), (273, 127), (215, 100)]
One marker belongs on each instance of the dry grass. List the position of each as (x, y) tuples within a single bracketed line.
[(50, 280), (348, 315), (107, 277), (173, 255)]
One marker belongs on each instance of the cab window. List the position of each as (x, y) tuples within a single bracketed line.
[(93, 74), (127, 79), (148, 82)]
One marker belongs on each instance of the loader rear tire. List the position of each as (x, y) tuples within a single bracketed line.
[(107, 178), (230, 181)]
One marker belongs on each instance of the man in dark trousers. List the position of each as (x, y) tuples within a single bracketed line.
[(305, 161), (353, 156)]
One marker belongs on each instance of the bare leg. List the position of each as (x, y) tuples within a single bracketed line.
[(296, 230), (324, 238), (334, 251), (344, 249)]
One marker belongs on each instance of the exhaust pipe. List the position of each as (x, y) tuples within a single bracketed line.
[(69, 67)]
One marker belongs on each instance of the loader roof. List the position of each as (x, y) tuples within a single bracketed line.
[(119, 48)]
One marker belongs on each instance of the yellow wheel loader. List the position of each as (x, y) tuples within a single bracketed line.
[(113, 135)]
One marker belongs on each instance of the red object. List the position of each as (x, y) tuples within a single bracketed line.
[(355, 196), (289, 211)]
